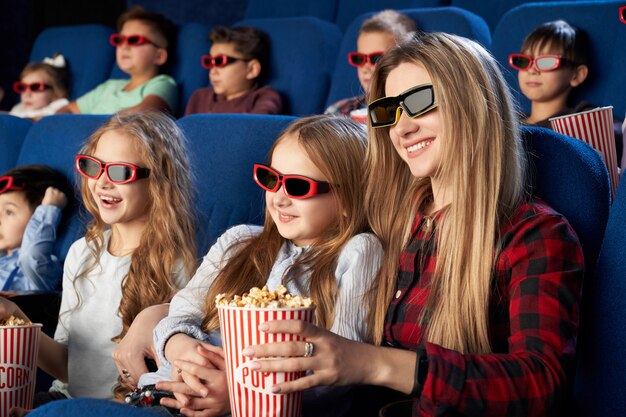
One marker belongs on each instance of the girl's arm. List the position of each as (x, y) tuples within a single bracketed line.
[(149, 103), (71, 108)]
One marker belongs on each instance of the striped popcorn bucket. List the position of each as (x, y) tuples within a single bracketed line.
[(595, 127), (250, 391), (19, 346)]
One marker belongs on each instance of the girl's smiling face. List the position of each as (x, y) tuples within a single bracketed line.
[(301, 221)]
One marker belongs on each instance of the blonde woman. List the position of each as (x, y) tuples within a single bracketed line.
[(478, 306), (139, 248)]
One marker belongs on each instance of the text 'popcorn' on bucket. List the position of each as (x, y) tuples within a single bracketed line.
[(14, 321), (264, 298)]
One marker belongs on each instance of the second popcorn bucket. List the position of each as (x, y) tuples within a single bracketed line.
[(250, 391)]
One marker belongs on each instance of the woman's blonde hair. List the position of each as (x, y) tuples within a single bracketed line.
[(484, 165), (337, 147)]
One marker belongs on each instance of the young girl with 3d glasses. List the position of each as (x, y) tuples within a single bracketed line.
[(138, 250), (477, 311), (43, 88), (313, 242)]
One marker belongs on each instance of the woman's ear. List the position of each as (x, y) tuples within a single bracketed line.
[(580, 74), (254, 69)]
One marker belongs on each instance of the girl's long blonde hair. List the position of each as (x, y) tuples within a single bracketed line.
[(168, 241), (337, 147), (484, 165)]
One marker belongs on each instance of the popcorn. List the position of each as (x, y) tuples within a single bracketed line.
[(264, 298), (14, 321)]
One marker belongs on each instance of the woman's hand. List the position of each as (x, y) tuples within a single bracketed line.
[(334, 360), (129, 355), (200, 391)]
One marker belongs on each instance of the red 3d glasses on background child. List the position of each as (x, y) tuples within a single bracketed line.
[(8, 183), (295, 186), (358, 59), (522, 62), (116, 172), (20, 87), (218, 61), (117, 39)]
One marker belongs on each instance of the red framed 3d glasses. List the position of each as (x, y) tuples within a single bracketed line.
[(622, 14), (218, 61), (20, 87), (296, 186), (8, 183), (357, 59), (117, 39), (522, 62), (116, 172)]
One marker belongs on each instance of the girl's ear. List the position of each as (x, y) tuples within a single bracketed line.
[(580, 74), (254, 69), (161, 57)]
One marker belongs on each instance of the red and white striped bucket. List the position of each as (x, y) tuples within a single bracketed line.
[(250, 391), (595, 127), (19, 346)]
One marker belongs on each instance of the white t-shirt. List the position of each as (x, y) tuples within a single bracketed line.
[(87, 329)]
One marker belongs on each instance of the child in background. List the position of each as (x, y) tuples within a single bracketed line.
[(377, 34), (553, 61), (238, 66), (139, 249), (143, 47), (313, 241), (43, 88), (32, 198)]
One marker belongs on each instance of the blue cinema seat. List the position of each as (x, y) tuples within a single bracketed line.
[(55, 141), (13, 130), (601, 364), (224, 148), (262, 9), (571, 177), (86, 49), (599, 19), (345, 82), (348, 10), (304, 50)]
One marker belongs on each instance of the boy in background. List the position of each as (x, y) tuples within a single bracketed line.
[(377, 34), (142, 49), (238, 64)]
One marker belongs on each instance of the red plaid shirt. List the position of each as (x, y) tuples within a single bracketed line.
[(533, 322)]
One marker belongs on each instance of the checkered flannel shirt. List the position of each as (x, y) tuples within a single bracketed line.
[(533, 322)]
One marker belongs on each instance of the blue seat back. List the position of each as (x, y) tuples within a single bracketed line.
[(86, 49), (571, 177), (224, 149), (348, 10), (13, 130), (599, 19), (55, 141), (192, 41), (262, 9), (601, 362), (304, 51), (208, 12), (345, 82)]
